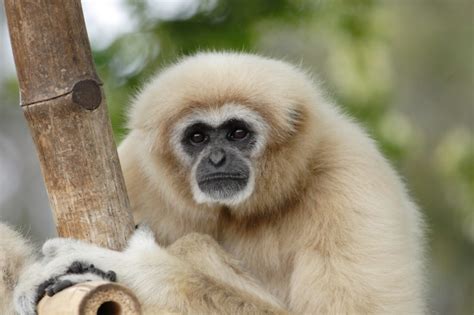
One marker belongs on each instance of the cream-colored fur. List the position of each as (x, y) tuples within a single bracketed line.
[(328, 227), (332, 231), (15, 255)]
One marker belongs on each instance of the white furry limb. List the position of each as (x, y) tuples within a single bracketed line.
[(158, 277), (15, 254)]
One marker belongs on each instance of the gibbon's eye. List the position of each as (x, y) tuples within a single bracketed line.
[(238, 134), (198, 137)]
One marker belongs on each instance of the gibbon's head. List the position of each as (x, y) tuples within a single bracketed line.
[(228, 129)]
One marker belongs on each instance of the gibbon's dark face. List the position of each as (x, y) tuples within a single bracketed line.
[(220, 157)]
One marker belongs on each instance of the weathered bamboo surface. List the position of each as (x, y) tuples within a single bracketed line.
[(63, 102)]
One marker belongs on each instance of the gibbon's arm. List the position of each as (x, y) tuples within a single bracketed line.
[(192, 276), (16, 254)]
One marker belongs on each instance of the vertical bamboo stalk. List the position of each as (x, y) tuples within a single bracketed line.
[(63, 101), (64, 104)]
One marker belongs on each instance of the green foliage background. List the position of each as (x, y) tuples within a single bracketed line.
[(405, 69)]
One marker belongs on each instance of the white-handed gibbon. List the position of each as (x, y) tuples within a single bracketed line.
[(255, 195)]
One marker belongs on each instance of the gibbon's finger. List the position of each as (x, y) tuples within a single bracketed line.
[(58, 286)]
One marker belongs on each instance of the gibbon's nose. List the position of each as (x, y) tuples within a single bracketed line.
[(217, 157)]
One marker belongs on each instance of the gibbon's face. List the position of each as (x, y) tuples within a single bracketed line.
[(219, 147), (228, 129)]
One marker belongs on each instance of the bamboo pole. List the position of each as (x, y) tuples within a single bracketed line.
[(91, 298), (64, 104)]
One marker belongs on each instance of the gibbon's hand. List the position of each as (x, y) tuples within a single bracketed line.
[(66, 262), (78, 272)]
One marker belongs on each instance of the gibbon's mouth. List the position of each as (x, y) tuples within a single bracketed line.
[(223, 177), (223, 185)]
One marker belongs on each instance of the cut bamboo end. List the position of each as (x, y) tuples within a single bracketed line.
[(91, 298)]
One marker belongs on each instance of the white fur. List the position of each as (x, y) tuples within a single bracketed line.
[(15, 256), (141, 254)]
